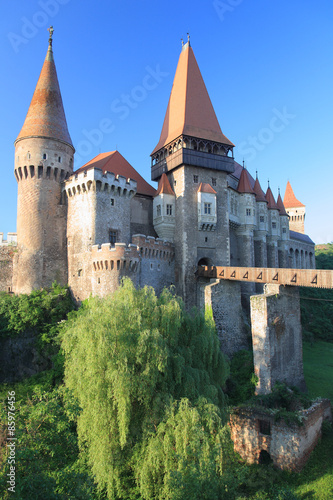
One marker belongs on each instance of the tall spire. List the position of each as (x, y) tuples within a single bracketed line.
[(290, 200), (190, 110), (260, 195), (244, 184), (270, 199), (46, 116)]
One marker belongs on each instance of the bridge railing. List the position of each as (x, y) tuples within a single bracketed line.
[(318, 278)]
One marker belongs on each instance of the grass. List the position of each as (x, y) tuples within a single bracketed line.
[(318, 369)]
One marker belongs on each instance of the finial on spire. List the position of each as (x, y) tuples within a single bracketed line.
[(268, 182), (279, 190), (243, 163), (182, 42), (188, 38), (256, 174), (50, 30)]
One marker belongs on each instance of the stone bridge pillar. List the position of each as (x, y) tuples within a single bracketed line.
[(277, 337), (223, 299)]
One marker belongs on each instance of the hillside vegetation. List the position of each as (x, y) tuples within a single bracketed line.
[(317, 303)]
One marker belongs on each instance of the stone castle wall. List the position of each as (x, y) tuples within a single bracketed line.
[(157, 262), (6, 267)]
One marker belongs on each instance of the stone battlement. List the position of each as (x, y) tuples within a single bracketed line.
[(11, 239), (150, 247), (97, 180), (118, 257)]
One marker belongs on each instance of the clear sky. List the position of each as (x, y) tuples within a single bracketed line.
[(267, 66)]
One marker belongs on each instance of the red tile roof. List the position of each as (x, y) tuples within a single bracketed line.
[(281, 206), (190, 110), (206, 188), (244, 184), (46, 115), (164, 186), (290, 200), (116, 163), (271, 201), (260, 195)]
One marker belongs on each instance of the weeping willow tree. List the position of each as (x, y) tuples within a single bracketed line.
[(148, 378)]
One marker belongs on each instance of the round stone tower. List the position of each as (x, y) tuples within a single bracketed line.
[(43, 160)]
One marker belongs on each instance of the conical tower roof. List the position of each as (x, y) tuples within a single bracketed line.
[(281, 206), (271, 201), (290, 200), (244, 184), (260, 195), (164, 186), (190, 110), (46, 116)]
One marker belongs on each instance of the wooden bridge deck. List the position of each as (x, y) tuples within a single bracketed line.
[(317, 278)]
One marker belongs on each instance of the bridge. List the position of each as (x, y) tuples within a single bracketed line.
[(317, 278)]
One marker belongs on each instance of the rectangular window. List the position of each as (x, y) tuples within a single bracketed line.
[(169, 209), (158, 210), (284, 230), (265, 427), (248, 211), (274, 225), (195, 179), (207, 208), (112, 202), (213, 181), (262, 218), (112, 236)]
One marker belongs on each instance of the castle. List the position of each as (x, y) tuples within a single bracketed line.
[(92, 226)]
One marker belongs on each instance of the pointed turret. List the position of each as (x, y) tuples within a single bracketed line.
[(164, 186), (190, 110), (164, 209), (46, 116), (43, 160), (295, 209), (260, 195), (271, 200), (244, 184), (290, 200), (280, 206), (190, 122)]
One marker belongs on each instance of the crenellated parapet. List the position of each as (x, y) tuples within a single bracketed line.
[(96, 180), (154, 248), (120, 257)]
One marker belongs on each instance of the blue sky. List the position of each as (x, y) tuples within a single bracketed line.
[(267, 67)]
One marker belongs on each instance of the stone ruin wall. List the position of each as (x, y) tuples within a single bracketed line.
[(6, 267), (289, 446)]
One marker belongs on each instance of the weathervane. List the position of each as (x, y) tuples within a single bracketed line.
[(50, 30)]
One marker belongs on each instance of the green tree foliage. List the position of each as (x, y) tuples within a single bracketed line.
[(40, 311), (128, 358), (242, 381), (46, 454), (317, 303)]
